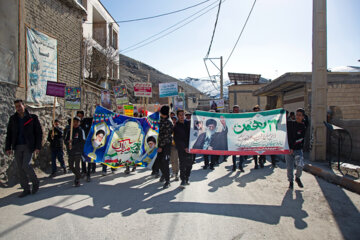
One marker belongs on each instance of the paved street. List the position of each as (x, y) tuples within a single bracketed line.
[(218, 204)]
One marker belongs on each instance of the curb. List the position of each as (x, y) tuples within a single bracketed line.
[(333, 178)]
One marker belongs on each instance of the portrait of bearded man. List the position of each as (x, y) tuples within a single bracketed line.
[(212, 139)]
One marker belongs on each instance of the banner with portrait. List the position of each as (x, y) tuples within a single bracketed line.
[(118, 140), (41, 61), (255, 133)]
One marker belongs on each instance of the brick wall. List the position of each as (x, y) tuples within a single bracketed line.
[(244, 97), (345, 97), (60, 19)]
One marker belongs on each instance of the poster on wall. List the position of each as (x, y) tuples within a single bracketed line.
[(257, 133), (143, 89), (106, 99), (120, 95), (73, 98), (217, 104), (41, 60), (168, 89)]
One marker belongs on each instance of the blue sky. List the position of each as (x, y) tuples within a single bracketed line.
[(277, 39)]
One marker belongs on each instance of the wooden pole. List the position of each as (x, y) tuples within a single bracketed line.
[(71, 128), (53, 119)]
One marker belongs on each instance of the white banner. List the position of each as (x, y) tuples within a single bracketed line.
[(41, 66)]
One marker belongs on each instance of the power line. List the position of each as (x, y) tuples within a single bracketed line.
[(156, 34), (125, 51), (156, 16), (212, 38), (242, 30)]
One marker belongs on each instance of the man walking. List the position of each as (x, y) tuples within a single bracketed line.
[(181, 137), (24, 136), (296, 132), (164, 147), (55, 137)]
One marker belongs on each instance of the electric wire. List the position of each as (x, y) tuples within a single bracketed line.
[(156, 16), (216, 21), (164, 35)]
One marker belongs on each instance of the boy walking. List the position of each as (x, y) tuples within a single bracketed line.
[(296, 133), (56, 145), (75, 149)]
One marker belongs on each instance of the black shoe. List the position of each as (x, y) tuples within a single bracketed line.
[(241, 169), (157, 175), (166, 185), (162, 179), (211, 168), (182, 184), (52, 175), (153, 173), (299, 183), (233, 168), (77, 183), (93, 171), (64, 169), (88, 179), (291, 185), (187, 182), (256, 167), (35, 188), (205, 167), (127, 171), (262, 164), (225, 160), (274, 165), (133, 169), (24, 193)]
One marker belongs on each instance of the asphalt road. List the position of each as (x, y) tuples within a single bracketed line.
[(218, 204)]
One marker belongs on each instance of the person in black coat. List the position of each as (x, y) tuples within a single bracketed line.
[(56, 139), (75, 149), (181, 138), (24, 137)]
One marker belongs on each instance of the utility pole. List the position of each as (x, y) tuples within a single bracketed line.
[(319, 81), (221, 79)]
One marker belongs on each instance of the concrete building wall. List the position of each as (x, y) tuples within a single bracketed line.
[(9, 25), (242, 95), (346, 97), (294, 99)]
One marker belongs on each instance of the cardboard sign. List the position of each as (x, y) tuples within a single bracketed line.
[(55, 89), (168, 89), (143, 89), (129, 110), (73, 98), (121, 95)]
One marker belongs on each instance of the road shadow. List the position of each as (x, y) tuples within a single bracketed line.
[(344, 211), (224, 181), (254, 175)]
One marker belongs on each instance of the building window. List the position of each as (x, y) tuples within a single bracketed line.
[(115, 40)]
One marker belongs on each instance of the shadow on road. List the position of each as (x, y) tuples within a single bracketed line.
[(344, 211)]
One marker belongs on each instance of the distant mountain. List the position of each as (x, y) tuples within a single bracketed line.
[(345, 69), (212, 89), (132, 71)]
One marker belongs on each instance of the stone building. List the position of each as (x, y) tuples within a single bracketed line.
[(59, 19), (293, 90), (241, 92)]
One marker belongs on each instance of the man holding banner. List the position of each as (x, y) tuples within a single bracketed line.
[(164, 147)]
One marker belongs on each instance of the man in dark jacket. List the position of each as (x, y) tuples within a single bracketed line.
[(24, 136), (164, 146), (75, 149), (85, 124), (296, 133), (181, 137), (55, 137)]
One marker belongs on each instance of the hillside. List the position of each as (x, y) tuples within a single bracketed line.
[(132, 71)]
